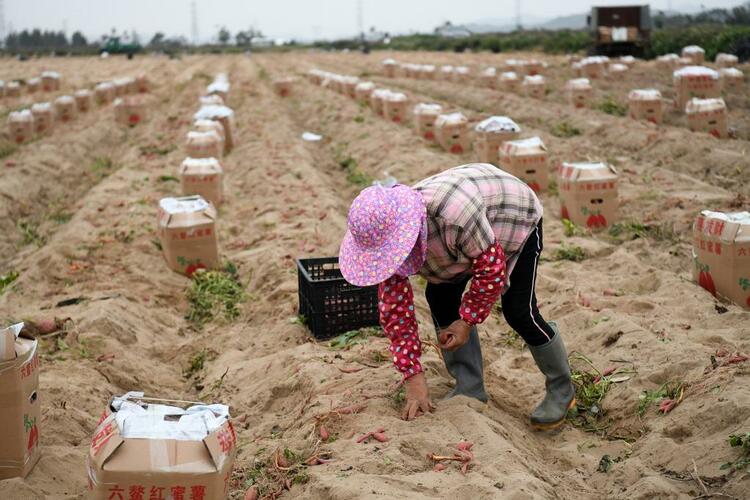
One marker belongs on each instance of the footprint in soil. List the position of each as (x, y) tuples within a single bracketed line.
[(638, 306)]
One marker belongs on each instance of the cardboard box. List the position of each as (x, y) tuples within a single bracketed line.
[(19, 403), (129, 110), (50, 81), (424, 119), (207, 144), (187, 231), (490, 134), (283, 86), (726, 60), (152, 448), (104, 93), (528, 160), (461, 74), (395, 106), (695, 81), (44, 117), (203, 177), (389, 68), (645, 104), (708, 115), (588, 194), (122, 86), (33, 85), (446, 72), (580, 93), (220, 88), (732, 79), (211, 100), (628, 61), (721, 255), (349, 85), (363, 90), (21, 126), (668, 61), (426, 72), (409, 70), (509, 81), (452, 132), (65, 108), (377, 97), (315, 76), (84, 100), (142, 84), (208, 126), (13, 89), (532, 67), (535, 86), (696, 54), (488, 78), (223, 115), (594, 66), (514, 65), (605, 34)]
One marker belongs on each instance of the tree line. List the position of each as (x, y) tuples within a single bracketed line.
[(37, 39)]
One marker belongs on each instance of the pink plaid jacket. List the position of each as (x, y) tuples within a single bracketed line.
[(469, 208)]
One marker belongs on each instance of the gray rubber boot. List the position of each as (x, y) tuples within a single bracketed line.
[(466, 366), (552, 360)]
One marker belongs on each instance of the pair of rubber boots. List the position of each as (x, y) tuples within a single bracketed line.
[(465, 365)]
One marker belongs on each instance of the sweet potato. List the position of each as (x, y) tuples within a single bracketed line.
[(323, 432), (251, 493)]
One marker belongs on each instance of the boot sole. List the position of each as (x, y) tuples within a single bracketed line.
[(554, 425)]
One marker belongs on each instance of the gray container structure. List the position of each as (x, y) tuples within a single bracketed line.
[(620, 30)]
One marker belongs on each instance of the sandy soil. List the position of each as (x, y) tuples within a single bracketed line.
[(286, 199)]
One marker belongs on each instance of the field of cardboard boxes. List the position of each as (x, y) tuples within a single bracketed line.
[(118, 388)]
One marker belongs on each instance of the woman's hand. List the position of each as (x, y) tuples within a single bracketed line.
[(417, 397), (456, 335)]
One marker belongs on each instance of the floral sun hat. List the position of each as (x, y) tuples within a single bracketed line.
[(383, 227)]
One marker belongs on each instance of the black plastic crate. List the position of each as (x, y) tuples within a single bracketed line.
[(329, 303)]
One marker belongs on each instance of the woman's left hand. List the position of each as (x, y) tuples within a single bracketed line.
[(456, 335)]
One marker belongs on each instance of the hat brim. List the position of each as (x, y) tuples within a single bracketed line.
[(362, 266)]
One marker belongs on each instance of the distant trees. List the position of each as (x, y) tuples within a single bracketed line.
[(157, 40), (739, 15), (78, 40), (36, 40), (160, 42), (245, 38), (224, 35)]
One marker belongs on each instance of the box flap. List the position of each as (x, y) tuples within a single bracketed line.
[(524, 147), (185, 211), (583, 172), (106, 440), (497, 124), (430, 109), (200, 166), (221, 444), (729, 227), (8, 338)]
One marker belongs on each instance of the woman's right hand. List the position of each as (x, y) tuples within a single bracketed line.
[(417, 397)]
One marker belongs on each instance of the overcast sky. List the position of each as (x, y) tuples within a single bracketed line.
[(288, 18)]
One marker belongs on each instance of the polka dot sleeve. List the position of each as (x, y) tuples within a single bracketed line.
[(487, 282), (396, 303)]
